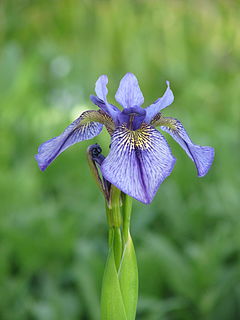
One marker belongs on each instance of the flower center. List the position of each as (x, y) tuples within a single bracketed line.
[(133, 117)]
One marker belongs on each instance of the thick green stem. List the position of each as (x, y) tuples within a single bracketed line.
[(120, 282)]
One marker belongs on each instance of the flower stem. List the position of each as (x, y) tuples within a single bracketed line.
[(117, 246), (127, 210), (115, 218)]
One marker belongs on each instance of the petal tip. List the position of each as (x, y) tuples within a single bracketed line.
[(94, 99), (104, 78), (150, 198), (129, 74), (41, 164), (209, 154), (161, 103)]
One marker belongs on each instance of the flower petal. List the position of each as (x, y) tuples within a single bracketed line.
[(101, 87), (138, 162), (202, 156), (109, 109), (101, 99), (159, 104), (129, 93), (133, 117), (77, 131)]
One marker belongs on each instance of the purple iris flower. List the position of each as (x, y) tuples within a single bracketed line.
[(140, 158)]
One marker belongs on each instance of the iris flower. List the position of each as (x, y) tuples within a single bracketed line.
[(140, 158)]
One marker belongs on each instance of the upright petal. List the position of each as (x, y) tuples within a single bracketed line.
[(138, 162), (129, 93), (101, 87), (101, 99), (109, 109), (77, 131), (202, 156), (159, 104)]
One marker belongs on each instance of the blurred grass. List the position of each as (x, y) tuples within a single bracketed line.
[(52, 225)]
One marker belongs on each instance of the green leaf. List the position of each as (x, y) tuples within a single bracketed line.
[(117, 246), (128, 278), (112, 306)]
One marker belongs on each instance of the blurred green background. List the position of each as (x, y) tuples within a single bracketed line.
[(53, 233)]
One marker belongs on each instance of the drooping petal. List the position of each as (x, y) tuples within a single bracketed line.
[(138, 162), (159, 104), (129, 93), (202, 156), (80, 129)]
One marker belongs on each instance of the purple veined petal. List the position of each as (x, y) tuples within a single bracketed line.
[(159, 104), (129, 93), (202, 156), (101, 88), (75, 132), (138, 162)]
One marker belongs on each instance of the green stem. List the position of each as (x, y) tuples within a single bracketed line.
[(120, 281), (117, 246), (110, 238), (114, 218), (127, 210), (108, 215), (114, 206)]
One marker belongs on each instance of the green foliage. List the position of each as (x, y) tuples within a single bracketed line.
[(128, 278), (112, 303), (120, 283), (119, 294), (53, 230)]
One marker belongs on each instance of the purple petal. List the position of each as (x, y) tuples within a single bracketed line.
[(138, 162), (129, 93), (110, 109), (133, 117), (75, 132), (159, 104), (202, 156), (101, 99), (101, 88)]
